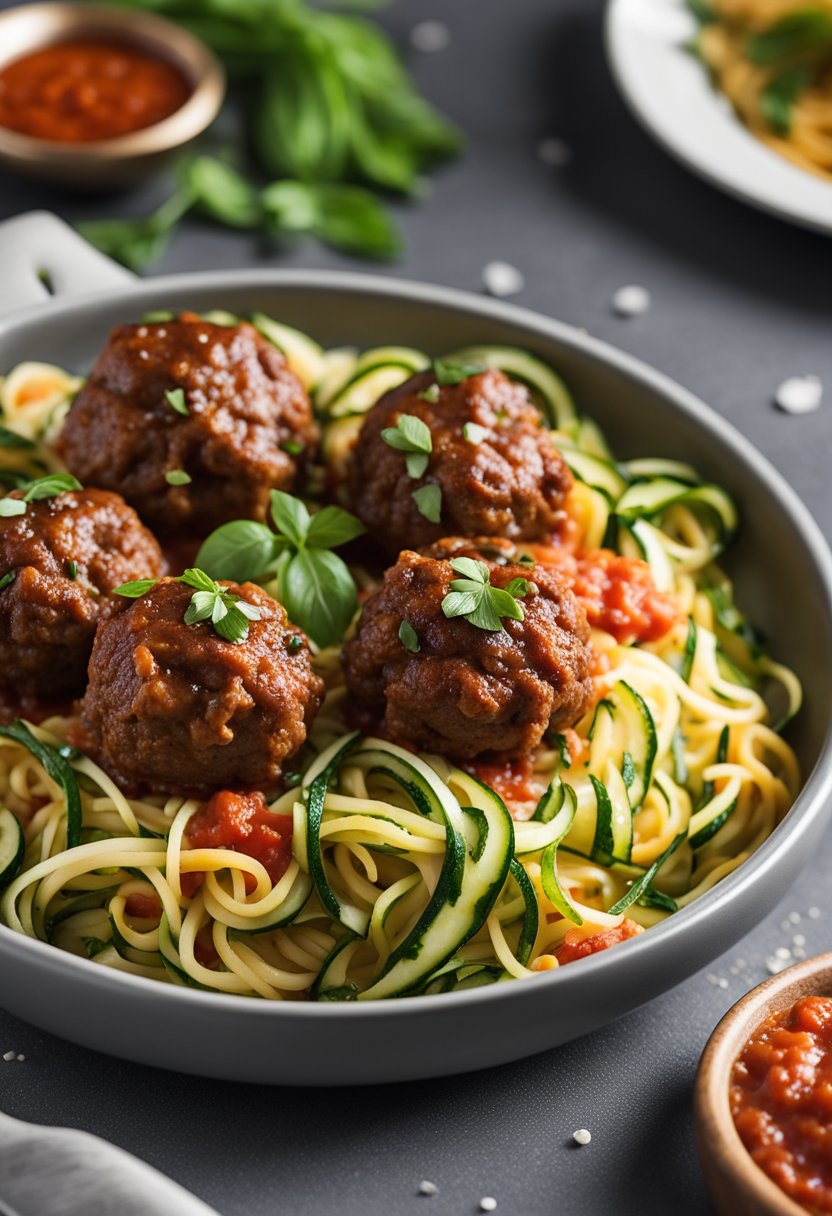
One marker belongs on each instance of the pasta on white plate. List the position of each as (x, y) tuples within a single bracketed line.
[(402, 872)]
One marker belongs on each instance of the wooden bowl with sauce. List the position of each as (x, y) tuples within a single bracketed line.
[(737, 1185), (94, 97)]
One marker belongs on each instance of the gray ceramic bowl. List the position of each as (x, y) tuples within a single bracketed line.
[(783, 573)]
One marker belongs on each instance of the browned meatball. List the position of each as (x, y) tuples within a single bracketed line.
[(175, 709), (247, 430), (511, 482), (63, 558), (468, 691)]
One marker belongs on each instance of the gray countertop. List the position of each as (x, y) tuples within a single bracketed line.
[(740, 302)]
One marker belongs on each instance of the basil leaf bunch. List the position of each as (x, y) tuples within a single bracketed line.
[(412, 436), (34, 491), (228, 613), (314, 584), (473, 597)]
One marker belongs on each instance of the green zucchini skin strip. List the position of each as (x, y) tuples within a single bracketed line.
[(548, 861), (318, 991), (603, 845), (350, 917), (12, 847), (58, 769), (531, 915), (642, 884)]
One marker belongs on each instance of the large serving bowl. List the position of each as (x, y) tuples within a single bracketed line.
[(783, 574)]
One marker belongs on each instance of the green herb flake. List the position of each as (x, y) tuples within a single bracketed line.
[(430, 394), (229, 614), (428, 499), (526, 559), (292, 447), (178, 477), (409, 638), (156, 316), (12, 506), (412, 436), (49, 486), (175, 398), (474, 433), (455, 373), (7, 579), (294, 644), (474, 598), (72, 571), (135, 590)]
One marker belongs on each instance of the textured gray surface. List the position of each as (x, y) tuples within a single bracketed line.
[(740, 302)]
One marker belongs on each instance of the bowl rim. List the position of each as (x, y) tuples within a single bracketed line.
[(811, 802), (717, 1135), (200, 66)]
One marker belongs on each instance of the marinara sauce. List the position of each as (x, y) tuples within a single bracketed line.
[(781, 1100), (242, 822), (80, 91)]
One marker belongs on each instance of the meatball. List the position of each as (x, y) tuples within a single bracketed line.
[(215, 402), (63, 558), (510, 482), (175, 709), (467, 691)]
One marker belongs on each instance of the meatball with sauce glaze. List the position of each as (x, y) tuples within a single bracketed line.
[(467, 691), (176, 709), (239, 423), (510, 482), (63, 558)]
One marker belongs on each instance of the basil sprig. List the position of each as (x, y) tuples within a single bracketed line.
[(314, 584), (411, 436), (34, 491), (481, 604), (228, 613)]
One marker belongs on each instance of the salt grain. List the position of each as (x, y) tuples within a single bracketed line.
[(428, 1188), (782, 952), (631, 301), (9, 1055), (775, 965), (799, 940), (21, 1058), (502, 279), (554, 152), (487, 1204), (794, 918), (799, 394), (714, 979), (430, 36), (814, 914), (723, 983), (799, 952), (785, 925), (582, 1136)]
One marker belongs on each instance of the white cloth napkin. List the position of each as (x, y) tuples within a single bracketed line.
[(55, 1171)]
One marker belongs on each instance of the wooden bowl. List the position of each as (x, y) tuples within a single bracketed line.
[(737, 1185), (111, 163)]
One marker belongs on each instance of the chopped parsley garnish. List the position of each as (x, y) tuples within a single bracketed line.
[(292, 447), (429, 501), (454, 373), (228, 613), (473, 597), (409, 638), (12, 506), (411, 436), (178, 477), (7, 579), (34, 491), (474, 433), (72, 570), (430, 394), (175, 398), (294, 644), (526, 559)]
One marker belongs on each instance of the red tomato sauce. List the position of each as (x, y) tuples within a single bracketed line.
[(781, 1100), (618, 593), (575, 947), (514, 780), (244, 823), (79, 91)]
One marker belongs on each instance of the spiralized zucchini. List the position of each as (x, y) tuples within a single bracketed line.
[(408, 874)]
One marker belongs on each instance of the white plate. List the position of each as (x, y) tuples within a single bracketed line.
[(670, 93)]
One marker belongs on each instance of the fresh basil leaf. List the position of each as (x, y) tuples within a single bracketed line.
[(134, 590), (429, 501), (804, 32), (332, 527), (7, 579), (416, 464), (222, 193), (138, 242), (199, 580), (239, 551), (178, 477), (454, 373), (410, 434), (518, 587), (249, 610), (460, 603), (175, 398), (12, 506), (470, 568), (505, 605), (318, 593), (290, 516), (233, 626), (201, 607), (10, 439), (50, 486), (430, 394), (343, 216), (409, 638), (779, 96), (302, 122), (473, 433), (486, 616)]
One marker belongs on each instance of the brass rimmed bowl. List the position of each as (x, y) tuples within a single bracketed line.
[(127, 158), (736, 1183)]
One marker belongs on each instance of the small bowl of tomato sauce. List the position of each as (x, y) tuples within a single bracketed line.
[(764, 1098), (93, 97)]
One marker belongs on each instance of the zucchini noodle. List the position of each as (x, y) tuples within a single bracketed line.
[(408, 874)]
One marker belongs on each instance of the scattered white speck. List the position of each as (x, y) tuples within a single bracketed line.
[(799, 952), (502, 279), (21, 1058), (794, 918), (582, 1136), (723, 983), (430, 36), (428, 1188), (799, 394), (631, 301), (142, 331), (799, 940), (735, 970), (9, 1055), (814, 914), (161, 333), (714, 979), (782, 952), (203, 338), (487, 1204), (775, 965), (142, 354), (554, 152), (785, 925)]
